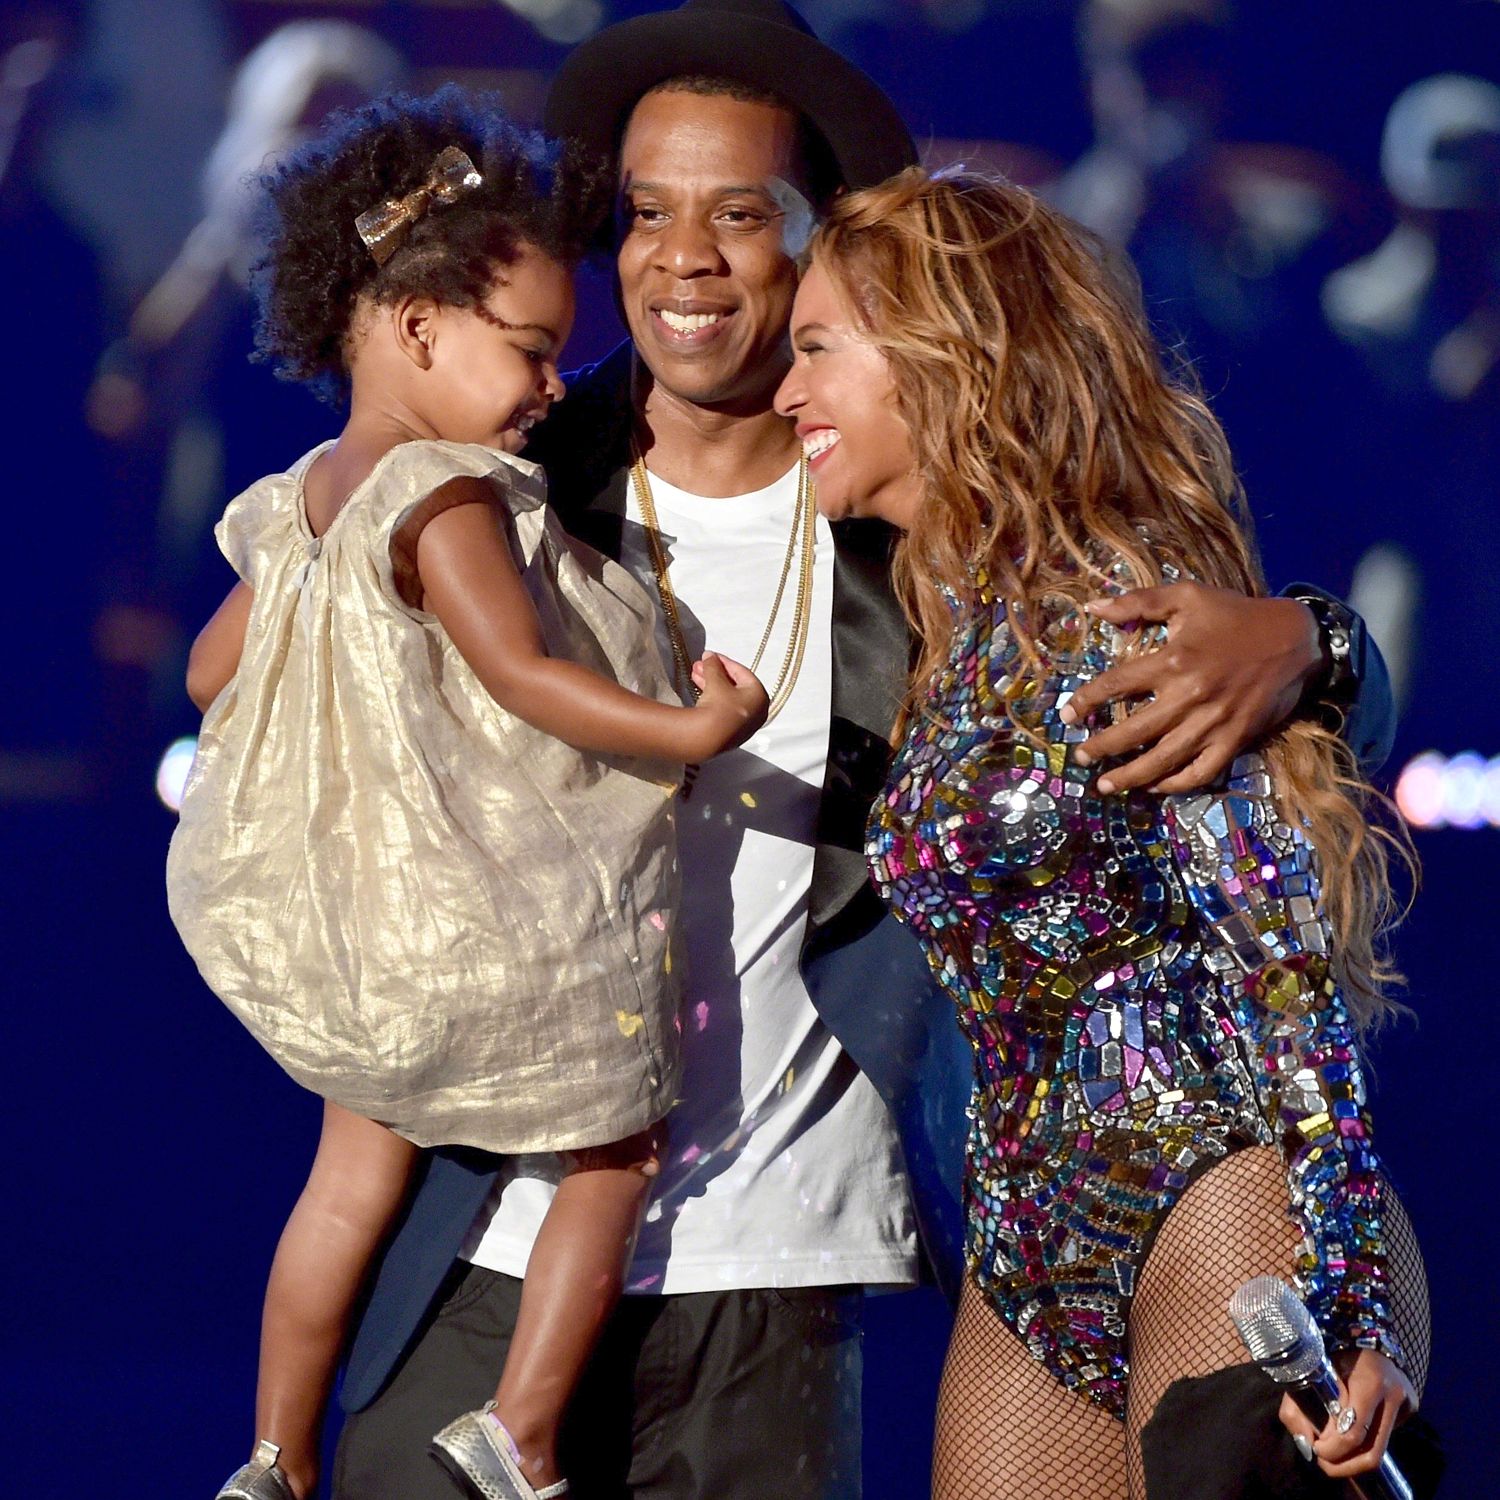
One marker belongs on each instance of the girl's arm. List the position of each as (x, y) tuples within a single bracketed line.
[(469, 580), (215, 656)]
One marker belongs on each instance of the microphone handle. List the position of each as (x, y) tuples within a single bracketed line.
[(1315, 1398)]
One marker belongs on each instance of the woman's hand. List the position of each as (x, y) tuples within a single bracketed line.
[(732, 703), (1231, 669), (1378, 1393)]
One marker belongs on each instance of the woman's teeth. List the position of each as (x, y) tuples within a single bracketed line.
[(687, 322), (817, 443)]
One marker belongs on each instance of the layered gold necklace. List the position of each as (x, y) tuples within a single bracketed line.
[(800, 547)]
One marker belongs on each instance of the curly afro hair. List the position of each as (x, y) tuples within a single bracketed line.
[(316, 267)]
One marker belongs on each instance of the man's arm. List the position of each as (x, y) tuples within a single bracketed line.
[(1232, 668), (1352, 693)]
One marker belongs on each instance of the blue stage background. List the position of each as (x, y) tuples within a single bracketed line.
[(156, 1149)]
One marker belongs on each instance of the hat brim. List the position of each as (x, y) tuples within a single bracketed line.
[(604, 78)]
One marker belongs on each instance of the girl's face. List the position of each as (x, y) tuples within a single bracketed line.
[(841, 393), (493, 371)]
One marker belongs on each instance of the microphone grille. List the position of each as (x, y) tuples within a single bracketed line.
[(1277, 1329)]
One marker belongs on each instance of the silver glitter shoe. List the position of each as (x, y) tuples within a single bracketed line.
[(473, 1452), (260, 1479)]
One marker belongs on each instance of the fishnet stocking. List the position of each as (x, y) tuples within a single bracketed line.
[(1230, 1225), (1006, 1427)]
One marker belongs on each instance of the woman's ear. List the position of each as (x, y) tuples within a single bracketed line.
[(414, 323)]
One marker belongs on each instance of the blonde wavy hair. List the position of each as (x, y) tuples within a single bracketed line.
[(1056, 454)]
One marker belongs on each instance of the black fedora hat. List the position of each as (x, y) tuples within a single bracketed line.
[(762, 43)]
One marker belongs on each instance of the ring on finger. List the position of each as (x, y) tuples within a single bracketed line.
[(1346, 1419)]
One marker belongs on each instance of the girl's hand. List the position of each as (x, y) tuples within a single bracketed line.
[(1379, 1394), (731, 704)]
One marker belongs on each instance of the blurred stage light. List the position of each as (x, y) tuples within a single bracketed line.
[(1442, 791), (172, 773), (565, 21)]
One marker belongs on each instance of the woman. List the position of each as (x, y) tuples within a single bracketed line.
[(1163, 1011)]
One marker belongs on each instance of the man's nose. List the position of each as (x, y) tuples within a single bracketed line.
[(688, 248)]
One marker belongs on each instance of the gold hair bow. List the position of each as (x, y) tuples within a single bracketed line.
[(384, 227)]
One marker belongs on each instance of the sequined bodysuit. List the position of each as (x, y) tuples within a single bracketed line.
[(1145, 984)]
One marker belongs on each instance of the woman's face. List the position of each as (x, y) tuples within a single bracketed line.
[(842, 396)]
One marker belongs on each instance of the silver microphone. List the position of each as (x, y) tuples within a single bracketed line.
[(1283, 1340)]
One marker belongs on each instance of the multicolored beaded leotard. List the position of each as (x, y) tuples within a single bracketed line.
[(1146, 987)]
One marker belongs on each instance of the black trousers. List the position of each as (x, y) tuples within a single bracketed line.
[(697, 1396)]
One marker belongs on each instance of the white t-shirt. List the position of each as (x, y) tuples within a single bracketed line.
[(782, 1166)]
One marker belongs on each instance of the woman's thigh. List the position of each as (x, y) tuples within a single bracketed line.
[(1009, 1430), (1230, 1225)]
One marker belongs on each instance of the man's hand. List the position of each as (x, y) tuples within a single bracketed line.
[(1231, 669)]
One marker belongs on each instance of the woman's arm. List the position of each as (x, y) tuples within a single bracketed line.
[(470, 582), (215, 656), (1251, 880)]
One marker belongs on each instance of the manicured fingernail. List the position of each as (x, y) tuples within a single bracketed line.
[(1068, 714), (1304, 1446), (1082, 756), (1106, 785)]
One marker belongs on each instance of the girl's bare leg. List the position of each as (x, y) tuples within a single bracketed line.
[(356, 1185), (573, 1281)]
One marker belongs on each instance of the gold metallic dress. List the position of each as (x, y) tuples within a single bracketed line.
[(427, 910)]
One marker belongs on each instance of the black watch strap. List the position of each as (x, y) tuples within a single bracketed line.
[(1339, 631)]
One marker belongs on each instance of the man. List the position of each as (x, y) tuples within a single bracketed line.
[(820, 1129)]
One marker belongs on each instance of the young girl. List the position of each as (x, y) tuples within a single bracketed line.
[(426, 849)]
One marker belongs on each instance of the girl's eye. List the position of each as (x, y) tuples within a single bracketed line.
[(809, 348)]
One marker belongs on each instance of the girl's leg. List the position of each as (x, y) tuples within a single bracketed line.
[(573, 1281), (1009, 1430), (356, 1185)]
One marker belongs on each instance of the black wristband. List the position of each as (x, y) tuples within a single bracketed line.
[(1337, 685)]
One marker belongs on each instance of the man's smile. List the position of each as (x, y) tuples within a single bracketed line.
[(689, 324)]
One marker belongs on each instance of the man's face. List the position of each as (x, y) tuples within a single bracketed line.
[(705, 279)]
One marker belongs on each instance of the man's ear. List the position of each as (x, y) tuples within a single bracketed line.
[(414, 326)]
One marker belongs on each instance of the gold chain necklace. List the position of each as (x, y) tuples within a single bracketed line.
[(804, 530)]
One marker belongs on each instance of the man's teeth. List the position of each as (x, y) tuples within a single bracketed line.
[(687, 322), (819, 442), (525, 424)]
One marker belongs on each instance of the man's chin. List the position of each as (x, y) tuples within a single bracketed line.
[(707, 379)]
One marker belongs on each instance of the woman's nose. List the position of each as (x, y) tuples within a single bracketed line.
[(790, 395)]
